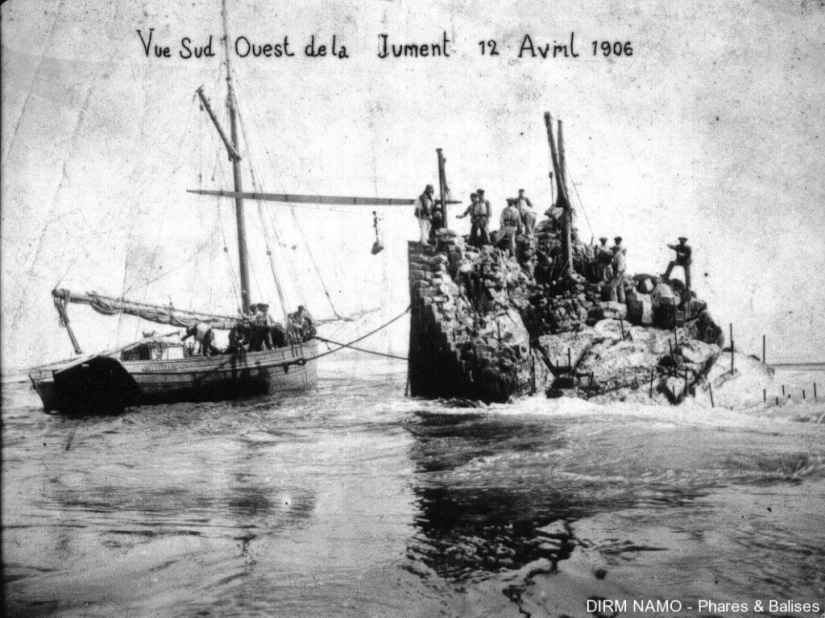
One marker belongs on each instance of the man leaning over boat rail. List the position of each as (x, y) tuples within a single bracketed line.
[(204, 336)]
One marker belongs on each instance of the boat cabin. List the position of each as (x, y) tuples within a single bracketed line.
[(155, 350)]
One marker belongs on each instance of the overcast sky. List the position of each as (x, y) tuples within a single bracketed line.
[(712, 129)]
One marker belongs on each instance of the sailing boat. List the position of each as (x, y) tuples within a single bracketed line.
[(158, 369)]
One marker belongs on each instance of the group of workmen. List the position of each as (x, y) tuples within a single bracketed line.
[(516, 219), (519, 218), (255, 331), (611, 263)]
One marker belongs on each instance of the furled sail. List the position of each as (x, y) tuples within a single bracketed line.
[(154, 313)]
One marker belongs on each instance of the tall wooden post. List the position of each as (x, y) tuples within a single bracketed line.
[(442, 186), (557, 158), (240, 220), (567, 216)]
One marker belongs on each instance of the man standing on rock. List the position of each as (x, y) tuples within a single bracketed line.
[(683, 259), (604, 257), (424, 212), (619, 265), (528, 215), (479, 212), (510, 226)]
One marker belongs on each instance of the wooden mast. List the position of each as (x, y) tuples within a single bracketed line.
[(442, 187), (567, 216), (557, 159), (240, 220)]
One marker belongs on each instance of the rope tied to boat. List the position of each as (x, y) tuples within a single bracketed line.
[(361, 338)]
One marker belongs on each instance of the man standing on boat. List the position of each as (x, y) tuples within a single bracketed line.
[(263, 326), (424, 213), (204, 336), (303, 324), (683, 259)]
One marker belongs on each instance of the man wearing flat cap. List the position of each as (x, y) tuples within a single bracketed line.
[(263, 326), (479, 212), (511, 226), (424, 213), (528, 215), (604, 257), (683, 259)]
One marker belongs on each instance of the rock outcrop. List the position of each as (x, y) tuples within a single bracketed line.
[(489, 327)]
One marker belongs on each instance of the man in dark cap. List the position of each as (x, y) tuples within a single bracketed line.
[(478, 211), (528, 215), (484, 202), (604, 257), (263, 324), (424, 213), (683, 259), (619, 265), (510, 226)]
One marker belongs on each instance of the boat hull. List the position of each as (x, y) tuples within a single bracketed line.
[(105, 384)]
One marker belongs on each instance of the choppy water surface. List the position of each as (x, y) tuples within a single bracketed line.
[(354, 500)]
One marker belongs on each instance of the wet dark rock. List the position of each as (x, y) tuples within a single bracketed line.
[(488, 327)]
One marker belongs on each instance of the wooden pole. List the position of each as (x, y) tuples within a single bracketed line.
[(777, 401), (731, 348), (814, 390), (652, 374), (764, 395), (803, 393), (233, 154), (710, 388), (783, 390), (763, 349), (442, 186), (240, 220), (567, 217)]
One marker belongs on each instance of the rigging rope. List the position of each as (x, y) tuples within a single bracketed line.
[(291, 267), (352, 347), (361, 338), (269, 249), (581, 203)]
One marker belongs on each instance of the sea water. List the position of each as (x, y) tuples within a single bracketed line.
[(354, 500)]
